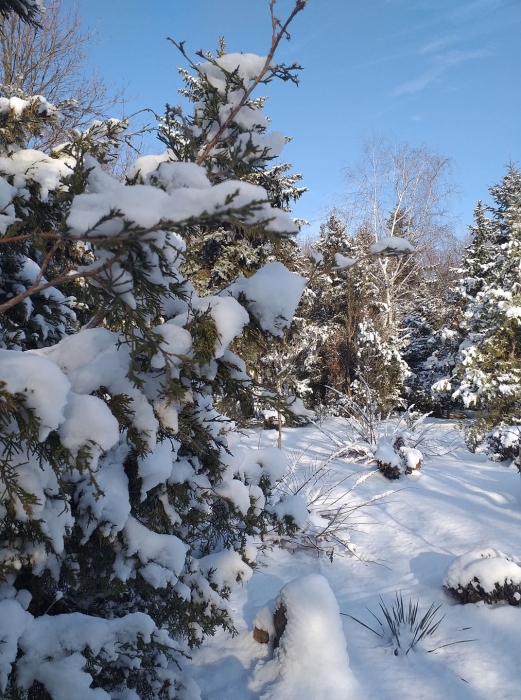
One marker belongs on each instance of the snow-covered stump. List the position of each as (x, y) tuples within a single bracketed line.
[(310, 658), (387, 460), (391, 457), (273, 420), (484, 575)]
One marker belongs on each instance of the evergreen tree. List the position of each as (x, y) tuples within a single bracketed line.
[(432, 336), (28, 10), (245, 150), (488, 375), (128, 507), (346, 314), (32, 203)]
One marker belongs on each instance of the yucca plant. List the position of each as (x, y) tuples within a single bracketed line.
[(404, 625)]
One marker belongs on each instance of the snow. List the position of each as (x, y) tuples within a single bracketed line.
[(229, 317), (292, 506), (37, 166), (236, 492), (88, 422), (392, 246), (14, 619), (156, 467), (247, 65), (147, 206), (7, 212), (93, 359), (226, 567), (110, 508), (37, 379), (341, 262), (177, 342), (252, 465), (51, 656), (17, 105), (403, 543), (273, 293), (165, 171), (489, 566), (412, 457), (163, 556), (296, 406), (385, 453), (311, 660)]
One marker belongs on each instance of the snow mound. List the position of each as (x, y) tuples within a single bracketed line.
[(311, 660), (484, 574)]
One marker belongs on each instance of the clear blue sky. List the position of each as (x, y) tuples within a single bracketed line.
[(444, 73)]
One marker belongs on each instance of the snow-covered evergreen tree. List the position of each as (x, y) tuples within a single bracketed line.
[(488, 376), (31, 203), (128, 508), (28, 10), (432, 336), (380, 369), (244, 150), (345, 313)]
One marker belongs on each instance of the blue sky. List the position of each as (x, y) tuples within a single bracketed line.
[(444, 73)]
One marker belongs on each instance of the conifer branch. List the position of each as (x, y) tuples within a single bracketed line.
[(279, 31)]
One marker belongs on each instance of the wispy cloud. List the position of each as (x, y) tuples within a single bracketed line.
[(440, 43), (441, 64), (470, 10)]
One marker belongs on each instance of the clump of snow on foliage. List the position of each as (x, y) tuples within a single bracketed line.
[(273, 294), (229, 317), (36, 166), (147, 206), (385, 454), (341, 262), (37, 380), (297, 408), (294, 507), (392, 246), (52, 647), (412, 458), (253, 465)]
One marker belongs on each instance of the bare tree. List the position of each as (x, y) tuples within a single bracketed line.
[(401, 190), (51, 60), (404, 191)]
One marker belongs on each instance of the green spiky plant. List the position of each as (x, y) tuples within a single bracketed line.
[(403, 624)]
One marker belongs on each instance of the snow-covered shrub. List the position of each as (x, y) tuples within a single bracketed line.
[(392, 444), (396, 457), (387, 459), (128, 508), (310, 658), (504, 442), (326, 521), (484, 575)]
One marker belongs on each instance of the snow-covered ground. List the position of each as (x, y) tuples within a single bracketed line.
[(404, 543)]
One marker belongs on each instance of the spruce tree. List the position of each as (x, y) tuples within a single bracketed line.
[(488, 375), (28, 10), (128, 509)]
